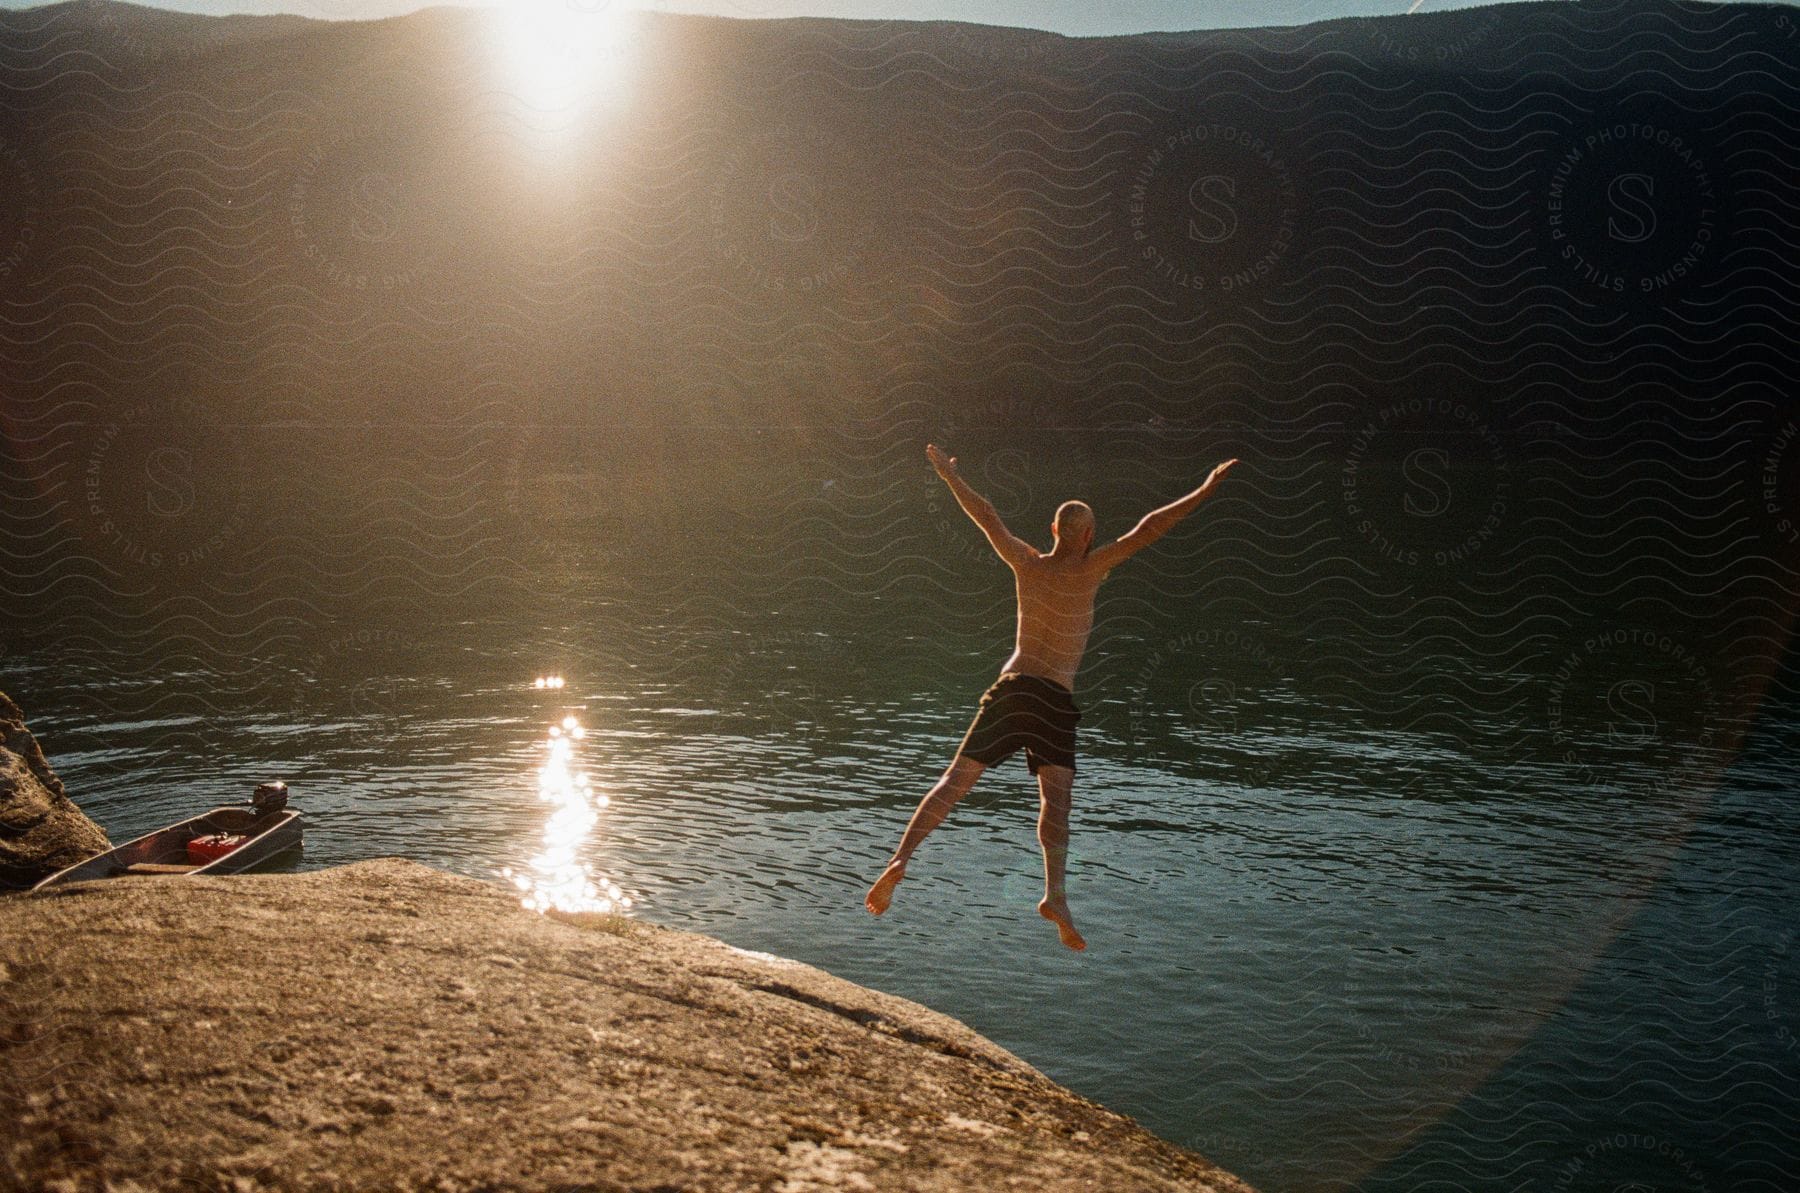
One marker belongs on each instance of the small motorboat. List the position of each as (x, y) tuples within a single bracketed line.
[(226, 840)]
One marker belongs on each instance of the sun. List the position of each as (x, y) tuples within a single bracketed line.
[(559, 55)]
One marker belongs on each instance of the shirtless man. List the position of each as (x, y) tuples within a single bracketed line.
[(1032, 705)]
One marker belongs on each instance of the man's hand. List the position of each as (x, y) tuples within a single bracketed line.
[(945, 464), (1215, 476)]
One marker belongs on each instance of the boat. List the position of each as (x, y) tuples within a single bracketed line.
[(227, 840)]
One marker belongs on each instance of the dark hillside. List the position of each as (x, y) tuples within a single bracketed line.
[(319, 261)]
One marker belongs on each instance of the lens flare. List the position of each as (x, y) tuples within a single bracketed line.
[(556, 879)]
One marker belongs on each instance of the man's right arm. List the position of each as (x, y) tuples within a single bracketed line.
[(1157, 522)]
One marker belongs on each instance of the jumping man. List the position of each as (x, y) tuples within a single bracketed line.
[(1032, 705)]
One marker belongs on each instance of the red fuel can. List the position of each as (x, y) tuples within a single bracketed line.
[(212, 847)]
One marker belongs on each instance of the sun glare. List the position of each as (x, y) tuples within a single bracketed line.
[(562, 55), (557, 879)]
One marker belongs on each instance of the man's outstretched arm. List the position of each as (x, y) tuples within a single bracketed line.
[(1158, 522), (1010, 546)]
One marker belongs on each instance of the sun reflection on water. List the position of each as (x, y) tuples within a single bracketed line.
[(556, 880)]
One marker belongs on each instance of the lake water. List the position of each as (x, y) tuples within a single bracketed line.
[(1397, 873)]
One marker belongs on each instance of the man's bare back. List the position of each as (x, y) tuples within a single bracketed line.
[(1056, 613), (1056, 591)]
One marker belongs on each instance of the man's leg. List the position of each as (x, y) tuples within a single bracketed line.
[(1056, 785), (958, 778)]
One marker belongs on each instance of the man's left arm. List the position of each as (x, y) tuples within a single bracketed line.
[(1009, 546)]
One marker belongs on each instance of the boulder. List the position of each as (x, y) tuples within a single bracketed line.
[(41, 829), (387, 1026)]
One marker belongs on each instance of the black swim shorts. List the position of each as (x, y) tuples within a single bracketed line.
[(1025, 712)]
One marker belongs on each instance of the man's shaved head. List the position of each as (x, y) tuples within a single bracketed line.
[(1074, 524)]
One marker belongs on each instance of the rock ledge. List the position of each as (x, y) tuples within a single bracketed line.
[(390, 1026), (41, 830)]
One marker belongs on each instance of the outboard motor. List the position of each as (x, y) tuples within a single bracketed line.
[(269, 797)]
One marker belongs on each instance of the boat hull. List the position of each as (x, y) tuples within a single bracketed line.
[(164, 852)]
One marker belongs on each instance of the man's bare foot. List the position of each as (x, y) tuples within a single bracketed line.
[(1057, 912), (882, 893)]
